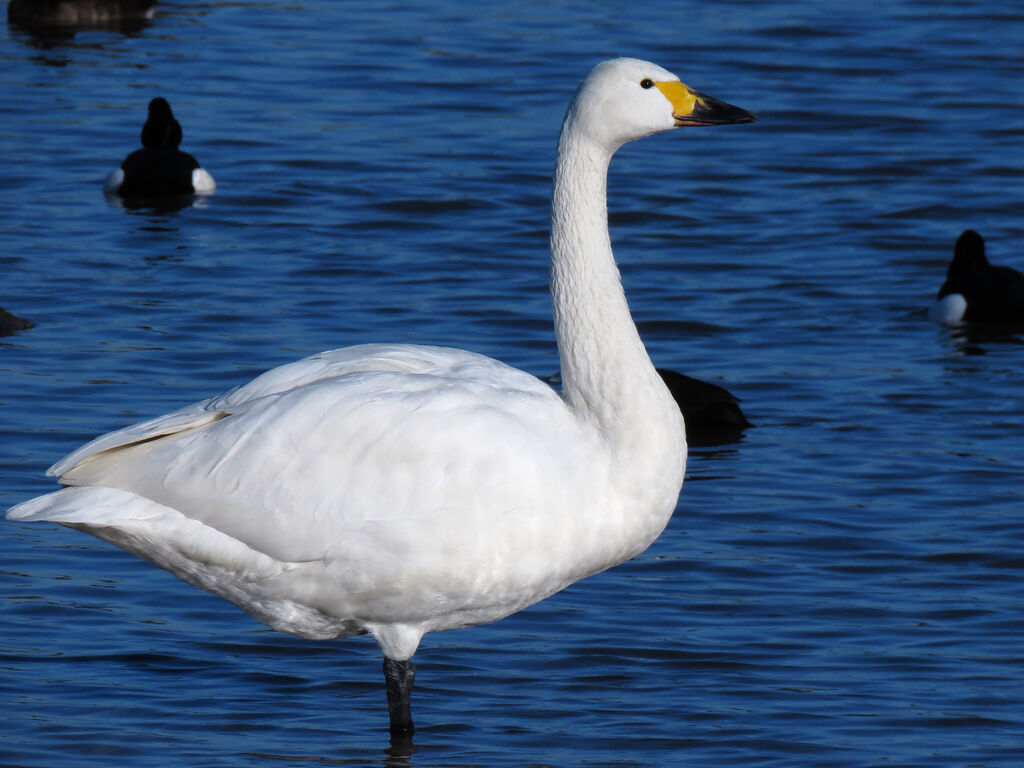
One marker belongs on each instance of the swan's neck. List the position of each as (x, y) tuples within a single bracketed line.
[(607, 376)]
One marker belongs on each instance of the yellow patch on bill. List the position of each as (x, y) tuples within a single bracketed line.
[(682, 98)]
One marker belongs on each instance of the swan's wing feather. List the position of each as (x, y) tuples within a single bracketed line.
[(114, 509), (191, 417), (318, 367)]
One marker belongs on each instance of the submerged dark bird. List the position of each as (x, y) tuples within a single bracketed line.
[(159, 169), (78, 13), (975, 291), (712, 414), (10, 323)]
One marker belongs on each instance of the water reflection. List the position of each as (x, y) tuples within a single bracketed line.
[(972, 338), (397, 755), (159, 205)]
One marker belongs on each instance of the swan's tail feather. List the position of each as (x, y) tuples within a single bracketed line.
[(195, 552), (264, 587)]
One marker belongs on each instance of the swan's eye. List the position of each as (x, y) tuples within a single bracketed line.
[(647, 83)]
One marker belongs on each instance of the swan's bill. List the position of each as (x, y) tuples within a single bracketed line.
[(690, 107)]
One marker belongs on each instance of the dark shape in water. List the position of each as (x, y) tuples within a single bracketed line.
[(159, 169), (712, 413), (70, 15), (12, 323), (975, 291)]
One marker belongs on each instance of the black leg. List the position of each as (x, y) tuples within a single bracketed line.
[(398, 677)]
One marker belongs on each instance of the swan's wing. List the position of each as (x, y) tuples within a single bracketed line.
[(190, 417), (367, 448), (324, 365)]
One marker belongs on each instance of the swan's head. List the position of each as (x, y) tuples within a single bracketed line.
[(626, 99)]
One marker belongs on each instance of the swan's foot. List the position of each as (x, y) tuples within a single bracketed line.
[(398, 677)]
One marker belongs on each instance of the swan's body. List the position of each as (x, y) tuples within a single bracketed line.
[(976, 291), (347, 520), (398, 489), (159, 169)]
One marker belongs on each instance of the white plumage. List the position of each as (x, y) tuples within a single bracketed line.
[(399, 489)]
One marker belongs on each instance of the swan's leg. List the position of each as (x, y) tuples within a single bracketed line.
[(398, 677)]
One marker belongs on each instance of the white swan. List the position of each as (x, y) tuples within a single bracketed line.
[(399, 489)]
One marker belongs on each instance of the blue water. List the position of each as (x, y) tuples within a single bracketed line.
[(841, 588)]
